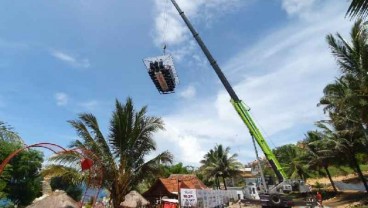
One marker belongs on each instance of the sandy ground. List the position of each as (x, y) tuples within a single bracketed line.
[(347, 199)]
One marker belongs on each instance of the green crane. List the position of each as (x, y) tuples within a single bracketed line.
[(275, 196), (239, 106)]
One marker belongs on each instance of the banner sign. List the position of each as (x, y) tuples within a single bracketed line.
[(205, 198)]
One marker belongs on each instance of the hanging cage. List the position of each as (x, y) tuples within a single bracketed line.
[(162, 71)]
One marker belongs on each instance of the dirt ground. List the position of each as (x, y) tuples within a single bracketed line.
[(347, 199)]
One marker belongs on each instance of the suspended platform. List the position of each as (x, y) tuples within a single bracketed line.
[(162, 71)]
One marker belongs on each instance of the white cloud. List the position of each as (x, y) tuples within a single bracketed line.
[(69, 59), (62, 99), (89, 105), (297, 7), (170, 26), (188, 92), (281, 78)]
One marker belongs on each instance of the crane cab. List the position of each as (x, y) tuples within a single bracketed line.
[(162, 71)]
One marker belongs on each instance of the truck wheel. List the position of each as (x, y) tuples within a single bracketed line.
[(275, 199)]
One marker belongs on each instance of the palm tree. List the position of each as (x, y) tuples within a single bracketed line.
[(319, 154), (217, 163), (122, 153), (346, 100), (344, 144), (358, 8), (349, 93), (291, 157)]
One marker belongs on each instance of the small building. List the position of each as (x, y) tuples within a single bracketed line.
[(169, 187)]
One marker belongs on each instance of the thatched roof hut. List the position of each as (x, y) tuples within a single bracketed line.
[(133, 199), (56, 199)]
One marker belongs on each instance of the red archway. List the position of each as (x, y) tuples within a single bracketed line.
[(95, 176)]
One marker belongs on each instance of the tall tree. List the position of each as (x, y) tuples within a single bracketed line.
[(346, 100), (291, 159), (219, 163), (319, 153), (349, 93), (345, 144), (20, 181), (8, 134), (122, 153)]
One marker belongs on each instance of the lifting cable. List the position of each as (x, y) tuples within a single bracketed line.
[(164, 40)]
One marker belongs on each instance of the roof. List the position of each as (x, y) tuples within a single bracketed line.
[(57, 199), (169, 186), (189, 181), (134, 199)]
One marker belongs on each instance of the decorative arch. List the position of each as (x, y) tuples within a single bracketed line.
[(95, 176)]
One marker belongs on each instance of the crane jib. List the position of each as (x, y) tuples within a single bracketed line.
[(254, 131), (237, 103)]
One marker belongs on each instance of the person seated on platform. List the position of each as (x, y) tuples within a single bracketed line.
[(152, 66), (157, 69), (161, 64)]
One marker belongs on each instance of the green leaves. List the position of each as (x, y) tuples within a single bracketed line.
[(7, 134), (218, 162), (120, 156), (345, 100), (20, 180), (358, 8)]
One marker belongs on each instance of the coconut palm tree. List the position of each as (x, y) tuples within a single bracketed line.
[(219, 163), (349, 93), (291, 157), (319, 154), (358, 8), (344, 145), (122, 153)]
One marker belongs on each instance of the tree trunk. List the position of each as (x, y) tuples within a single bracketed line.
[(116, 195), (359, 171), (329, 177), (223, 179)]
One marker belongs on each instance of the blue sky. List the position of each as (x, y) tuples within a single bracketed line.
[(60, 58)]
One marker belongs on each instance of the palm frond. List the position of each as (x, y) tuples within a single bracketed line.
[(358, 8), (68, 173)]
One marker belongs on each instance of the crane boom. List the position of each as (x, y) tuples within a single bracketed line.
[(239, 106)]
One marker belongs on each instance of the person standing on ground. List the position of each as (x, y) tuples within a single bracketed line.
[(319, 198)]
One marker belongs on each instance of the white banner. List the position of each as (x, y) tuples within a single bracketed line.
[(205, 198)]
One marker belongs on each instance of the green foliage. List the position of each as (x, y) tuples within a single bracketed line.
[(165, 170), (20, 181), (218, 163), (8, 134), (121, 155), (358, 8), (178, 168), (346, 100), (60, 183), (291, 159)]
